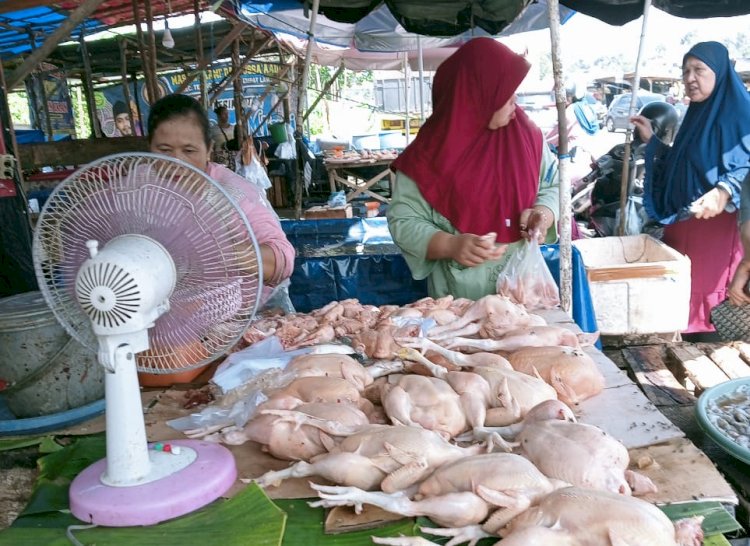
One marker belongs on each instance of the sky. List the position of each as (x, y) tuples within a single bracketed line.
[(586, 38)]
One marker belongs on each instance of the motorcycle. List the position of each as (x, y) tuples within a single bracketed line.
[(596, 196)]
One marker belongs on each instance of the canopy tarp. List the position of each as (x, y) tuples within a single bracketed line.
[(377, 31)]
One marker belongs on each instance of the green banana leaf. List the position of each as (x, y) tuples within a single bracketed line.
[(6, 444), (717, 520), (248, 518)]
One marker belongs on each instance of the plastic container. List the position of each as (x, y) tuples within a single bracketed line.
[(366, 142), (45, 370), (392, 139), (638, 284), (372, 209), (278, 132), (716, 434)]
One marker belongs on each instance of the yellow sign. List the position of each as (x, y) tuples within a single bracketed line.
[(398, 125)]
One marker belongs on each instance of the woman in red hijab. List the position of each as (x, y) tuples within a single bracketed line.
[(477, 179)]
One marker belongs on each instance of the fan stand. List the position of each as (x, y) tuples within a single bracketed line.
[(138, 484)]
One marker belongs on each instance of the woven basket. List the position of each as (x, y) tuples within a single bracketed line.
[(732, 322)]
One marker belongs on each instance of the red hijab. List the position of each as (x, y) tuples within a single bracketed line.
[(478, 178)]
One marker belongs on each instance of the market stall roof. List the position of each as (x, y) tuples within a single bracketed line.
[(378, 31), (20, 20), (105, 54), (450, 18)]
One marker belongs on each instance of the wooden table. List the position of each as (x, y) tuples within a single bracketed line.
[(340, 171)]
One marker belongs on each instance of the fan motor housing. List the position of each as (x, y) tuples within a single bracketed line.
[(126, 286)]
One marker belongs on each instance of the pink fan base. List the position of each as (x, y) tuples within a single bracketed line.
[(201, 482)]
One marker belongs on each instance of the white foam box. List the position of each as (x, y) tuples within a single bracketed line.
[(638, 284)]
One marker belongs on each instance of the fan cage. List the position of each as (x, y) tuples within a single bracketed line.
[(215, 252)]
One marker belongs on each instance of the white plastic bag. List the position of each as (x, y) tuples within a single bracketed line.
[(527, 280), (255, 173)]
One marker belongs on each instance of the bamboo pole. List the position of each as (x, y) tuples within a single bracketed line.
[(627, 174), (203, 63), (200, 54), (62, 32), (126, 85), (151, 53), (239, 112), (566, 251), (236, 73), (148, 77), (88, 88), (302, 93), (323, 91)]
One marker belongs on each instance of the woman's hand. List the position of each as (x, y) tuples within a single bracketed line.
[(643, 126), (536, 222), (467, 249), (710, 204), (736, 292)]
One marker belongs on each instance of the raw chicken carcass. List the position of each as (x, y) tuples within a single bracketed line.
[(454, 357), (496, 309), (339, 366), (597, 518), (391, 458), (291, 439), (460, 493), (574, 374), (533, 336), (583, 455), (502, 397), (429, 402)]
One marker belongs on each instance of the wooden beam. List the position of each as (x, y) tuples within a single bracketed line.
[(651, 373), (217, 90), (695, 367), (126, 85), (145, 65), (86, 8), (203, 63), (151, 53), (78, 152)]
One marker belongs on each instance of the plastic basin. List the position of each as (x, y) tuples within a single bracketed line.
[(716, 434)]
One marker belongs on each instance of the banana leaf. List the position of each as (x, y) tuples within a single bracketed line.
[(6, 444), (248, 518), (717, 520), (305, 526)]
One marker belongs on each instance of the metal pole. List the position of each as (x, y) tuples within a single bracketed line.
[(301, 110), (566, 250), (627, 175)]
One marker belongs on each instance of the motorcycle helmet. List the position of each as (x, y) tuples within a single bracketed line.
[(664, 119)]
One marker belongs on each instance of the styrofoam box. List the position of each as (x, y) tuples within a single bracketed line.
[(638, 284)]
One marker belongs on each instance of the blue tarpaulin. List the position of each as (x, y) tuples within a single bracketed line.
[(357, 258)]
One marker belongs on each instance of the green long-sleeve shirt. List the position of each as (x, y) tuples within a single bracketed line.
[(413, 222)]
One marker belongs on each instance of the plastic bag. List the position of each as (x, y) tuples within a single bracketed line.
[(337, 199), (255, 173), (527, 280)]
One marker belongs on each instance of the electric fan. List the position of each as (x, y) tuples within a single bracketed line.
[(149, 262)]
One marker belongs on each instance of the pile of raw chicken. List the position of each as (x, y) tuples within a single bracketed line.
[(463, 412)]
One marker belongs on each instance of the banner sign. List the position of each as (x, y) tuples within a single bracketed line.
[(113, 113), (50, 84)]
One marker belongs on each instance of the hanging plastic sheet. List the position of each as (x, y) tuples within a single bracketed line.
[(357, 258)]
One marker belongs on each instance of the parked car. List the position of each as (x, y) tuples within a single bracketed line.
[(619, 109), (598, 107)]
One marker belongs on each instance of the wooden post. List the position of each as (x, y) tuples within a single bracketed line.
[(151, 53), (203, 63), (300, 111), (4, 90), (150, 84), (236, 72), (86, 8), (40, 101), (88, 88), (199, 52), (566, 250), (126, 84), (627, 175), (273, 108), (323, 91), (239, 114)]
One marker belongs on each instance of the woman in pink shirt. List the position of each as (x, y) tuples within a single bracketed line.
[(178, 127)]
